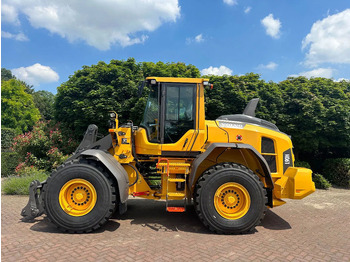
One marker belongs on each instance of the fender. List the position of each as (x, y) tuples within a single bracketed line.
[(212, 146), (114, 167)]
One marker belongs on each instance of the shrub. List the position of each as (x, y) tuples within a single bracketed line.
[(7, 135), (299, 163), (19, 185), (46, 147), (9, 161), (320, 181), (337, 171)]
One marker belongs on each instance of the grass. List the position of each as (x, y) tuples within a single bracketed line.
[(19, 185)]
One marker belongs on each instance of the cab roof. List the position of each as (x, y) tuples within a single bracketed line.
[(178, 79)]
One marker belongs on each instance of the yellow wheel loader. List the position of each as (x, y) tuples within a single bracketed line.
[(232, 168)]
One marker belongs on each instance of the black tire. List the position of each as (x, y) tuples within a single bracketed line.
[(207, 186), (106, 199)]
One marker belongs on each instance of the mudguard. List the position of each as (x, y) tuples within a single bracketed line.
[(204, 155), (114, 167), (266, 169)]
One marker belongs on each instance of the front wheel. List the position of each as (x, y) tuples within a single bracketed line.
[(79, 197), (230, 199)]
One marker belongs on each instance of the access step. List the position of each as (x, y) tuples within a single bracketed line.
[(176, 194), (176, 179), (176, 209)]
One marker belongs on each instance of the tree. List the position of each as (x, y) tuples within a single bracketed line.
[(7, 75), (317, 115), (17, 107), (44, 101), (93, 91)]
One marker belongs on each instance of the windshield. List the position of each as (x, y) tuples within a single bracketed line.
[(151, 116)]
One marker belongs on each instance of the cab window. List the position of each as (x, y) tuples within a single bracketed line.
[(179, 111)]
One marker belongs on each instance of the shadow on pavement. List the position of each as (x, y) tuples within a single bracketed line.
[(152, 214), (274, 222), (45, 226)]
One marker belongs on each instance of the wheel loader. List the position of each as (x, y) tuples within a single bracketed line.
[(232, 169)]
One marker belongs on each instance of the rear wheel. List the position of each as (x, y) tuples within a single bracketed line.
[(230, 199), (79, 196)]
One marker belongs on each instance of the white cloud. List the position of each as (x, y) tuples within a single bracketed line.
[(230, 2), (329, 40), (197, 39), (272, 26), (18, 37), (9, 14), (342, 79), (36, 74), (269, 66), (247, 9), (219, 71), (319, 72), (99, 23)]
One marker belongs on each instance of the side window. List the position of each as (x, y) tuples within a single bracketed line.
[(151, 116), (179, 111)]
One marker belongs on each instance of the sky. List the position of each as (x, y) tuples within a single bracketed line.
[(44, 42)]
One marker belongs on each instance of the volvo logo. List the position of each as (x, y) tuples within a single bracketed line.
[(287, 159)]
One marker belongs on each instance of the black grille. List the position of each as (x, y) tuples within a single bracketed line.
[(271, 161), (267, 145)]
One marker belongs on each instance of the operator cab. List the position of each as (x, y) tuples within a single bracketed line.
[(173, 115)]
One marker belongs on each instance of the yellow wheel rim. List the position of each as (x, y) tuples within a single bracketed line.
[(232, 200), (77, 197)]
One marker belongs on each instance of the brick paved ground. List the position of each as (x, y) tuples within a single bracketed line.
[(316, 228)]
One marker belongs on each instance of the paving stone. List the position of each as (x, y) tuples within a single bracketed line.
[(313, 229)]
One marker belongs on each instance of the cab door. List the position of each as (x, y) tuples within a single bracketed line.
[(178, 130)]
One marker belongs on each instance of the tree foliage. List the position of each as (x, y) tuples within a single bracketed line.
[(44, 101), (7, 75), (93, 91), (18, 110)]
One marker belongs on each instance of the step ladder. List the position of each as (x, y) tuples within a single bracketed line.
[(172, 169)]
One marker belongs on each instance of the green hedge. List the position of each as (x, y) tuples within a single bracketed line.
[(9, 161), (19, 185), (337, 171), (7, 135), (320, 181), (299, 163)]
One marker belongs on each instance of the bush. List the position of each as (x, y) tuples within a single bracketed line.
[(9, 161), (7, 135), (320, 181), (299, 163), (46, 147), (337, 171), (19, 185)]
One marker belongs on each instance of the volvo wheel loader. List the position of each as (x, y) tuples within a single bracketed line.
[(232, 168)]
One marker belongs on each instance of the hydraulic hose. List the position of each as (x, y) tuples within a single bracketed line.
[(137, 174)]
